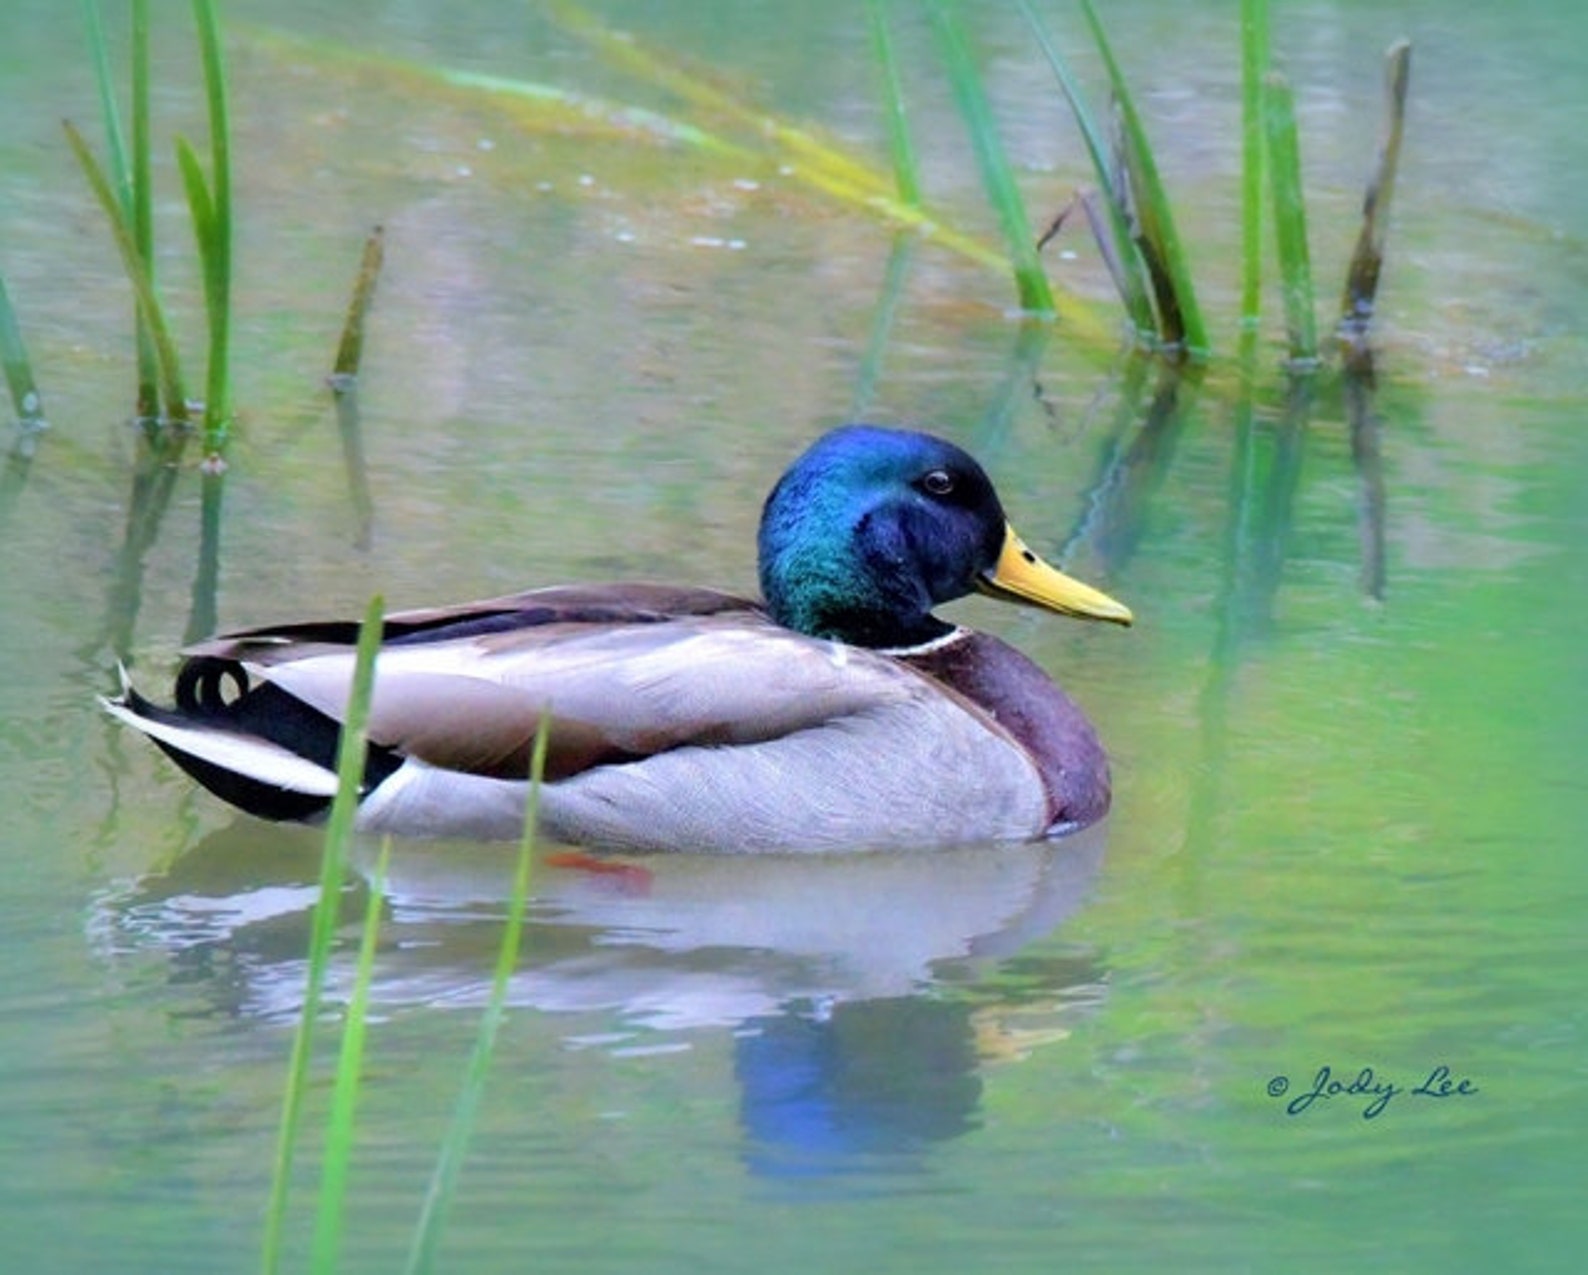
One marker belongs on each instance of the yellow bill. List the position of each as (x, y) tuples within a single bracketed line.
[(1020, 576)]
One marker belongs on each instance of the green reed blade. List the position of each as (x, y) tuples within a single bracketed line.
[(1254, 66), (621, 49), (906, 168), (1367, 261), (997, 177), (344, 1092), (137, 274), (216, 245), (143, 204), (548, 107), (339, 830), (110, 113), (1123, 263), (200, 206), (438, 1198), (18, 367), (132, 186), (1290, 217), (1179, 316)]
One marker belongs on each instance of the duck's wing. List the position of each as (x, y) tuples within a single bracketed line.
[(625, 671), (630, 603)]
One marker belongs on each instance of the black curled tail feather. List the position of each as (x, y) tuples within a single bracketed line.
[(201, 687)]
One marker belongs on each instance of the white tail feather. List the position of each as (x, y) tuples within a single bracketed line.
[(246, 755)]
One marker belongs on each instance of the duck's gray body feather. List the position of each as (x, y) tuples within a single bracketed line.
[(711, 729)]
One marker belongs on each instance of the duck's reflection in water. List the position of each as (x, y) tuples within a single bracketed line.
[(864, 993)]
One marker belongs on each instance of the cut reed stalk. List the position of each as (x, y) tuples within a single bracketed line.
[(344, 1092), (1179, 316), (432, 1216), (1290, 218), (1254, 66), (1367, 261), (339, 831), (1031, 283), (350, 350)]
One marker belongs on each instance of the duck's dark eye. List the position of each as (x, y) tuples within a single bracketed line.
[(937, 482)]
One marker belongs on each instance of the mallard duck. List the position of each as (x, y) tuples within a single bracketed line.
[(838, 713)]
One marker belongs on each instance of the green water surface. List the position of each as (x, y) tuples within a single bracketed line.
[(1348, 828)]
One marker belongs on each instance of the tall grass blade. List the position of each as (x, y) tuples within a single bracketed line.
[(906, 167), (547, 107), (1367, 261), (1254, 66), (1030, 281), (339, 830), (18, 367), (664, 72), (131, 182), (214, 227), (1290, 218), (350, 351), (427, 1233), (1123, 263), (110, 113), (344, 1092), (143, 205), (138, 275), (1179, 316)]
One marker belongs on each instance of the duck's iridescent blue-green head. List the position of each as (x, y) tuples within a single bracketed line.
[(871, 528)]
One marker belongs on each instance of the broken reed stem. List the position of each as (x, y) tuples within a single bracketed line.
[(1367, 261)]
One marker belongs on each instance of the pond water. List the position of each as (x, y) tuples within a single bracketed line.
[(1347, 731)]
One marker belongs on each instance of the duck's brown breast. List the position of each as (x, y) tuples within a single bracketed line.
[(1045, 721)]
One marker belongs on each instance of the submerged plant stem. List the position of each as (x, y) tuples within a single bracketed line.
[(339, 831), (427, 1232), (344, 1093)]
